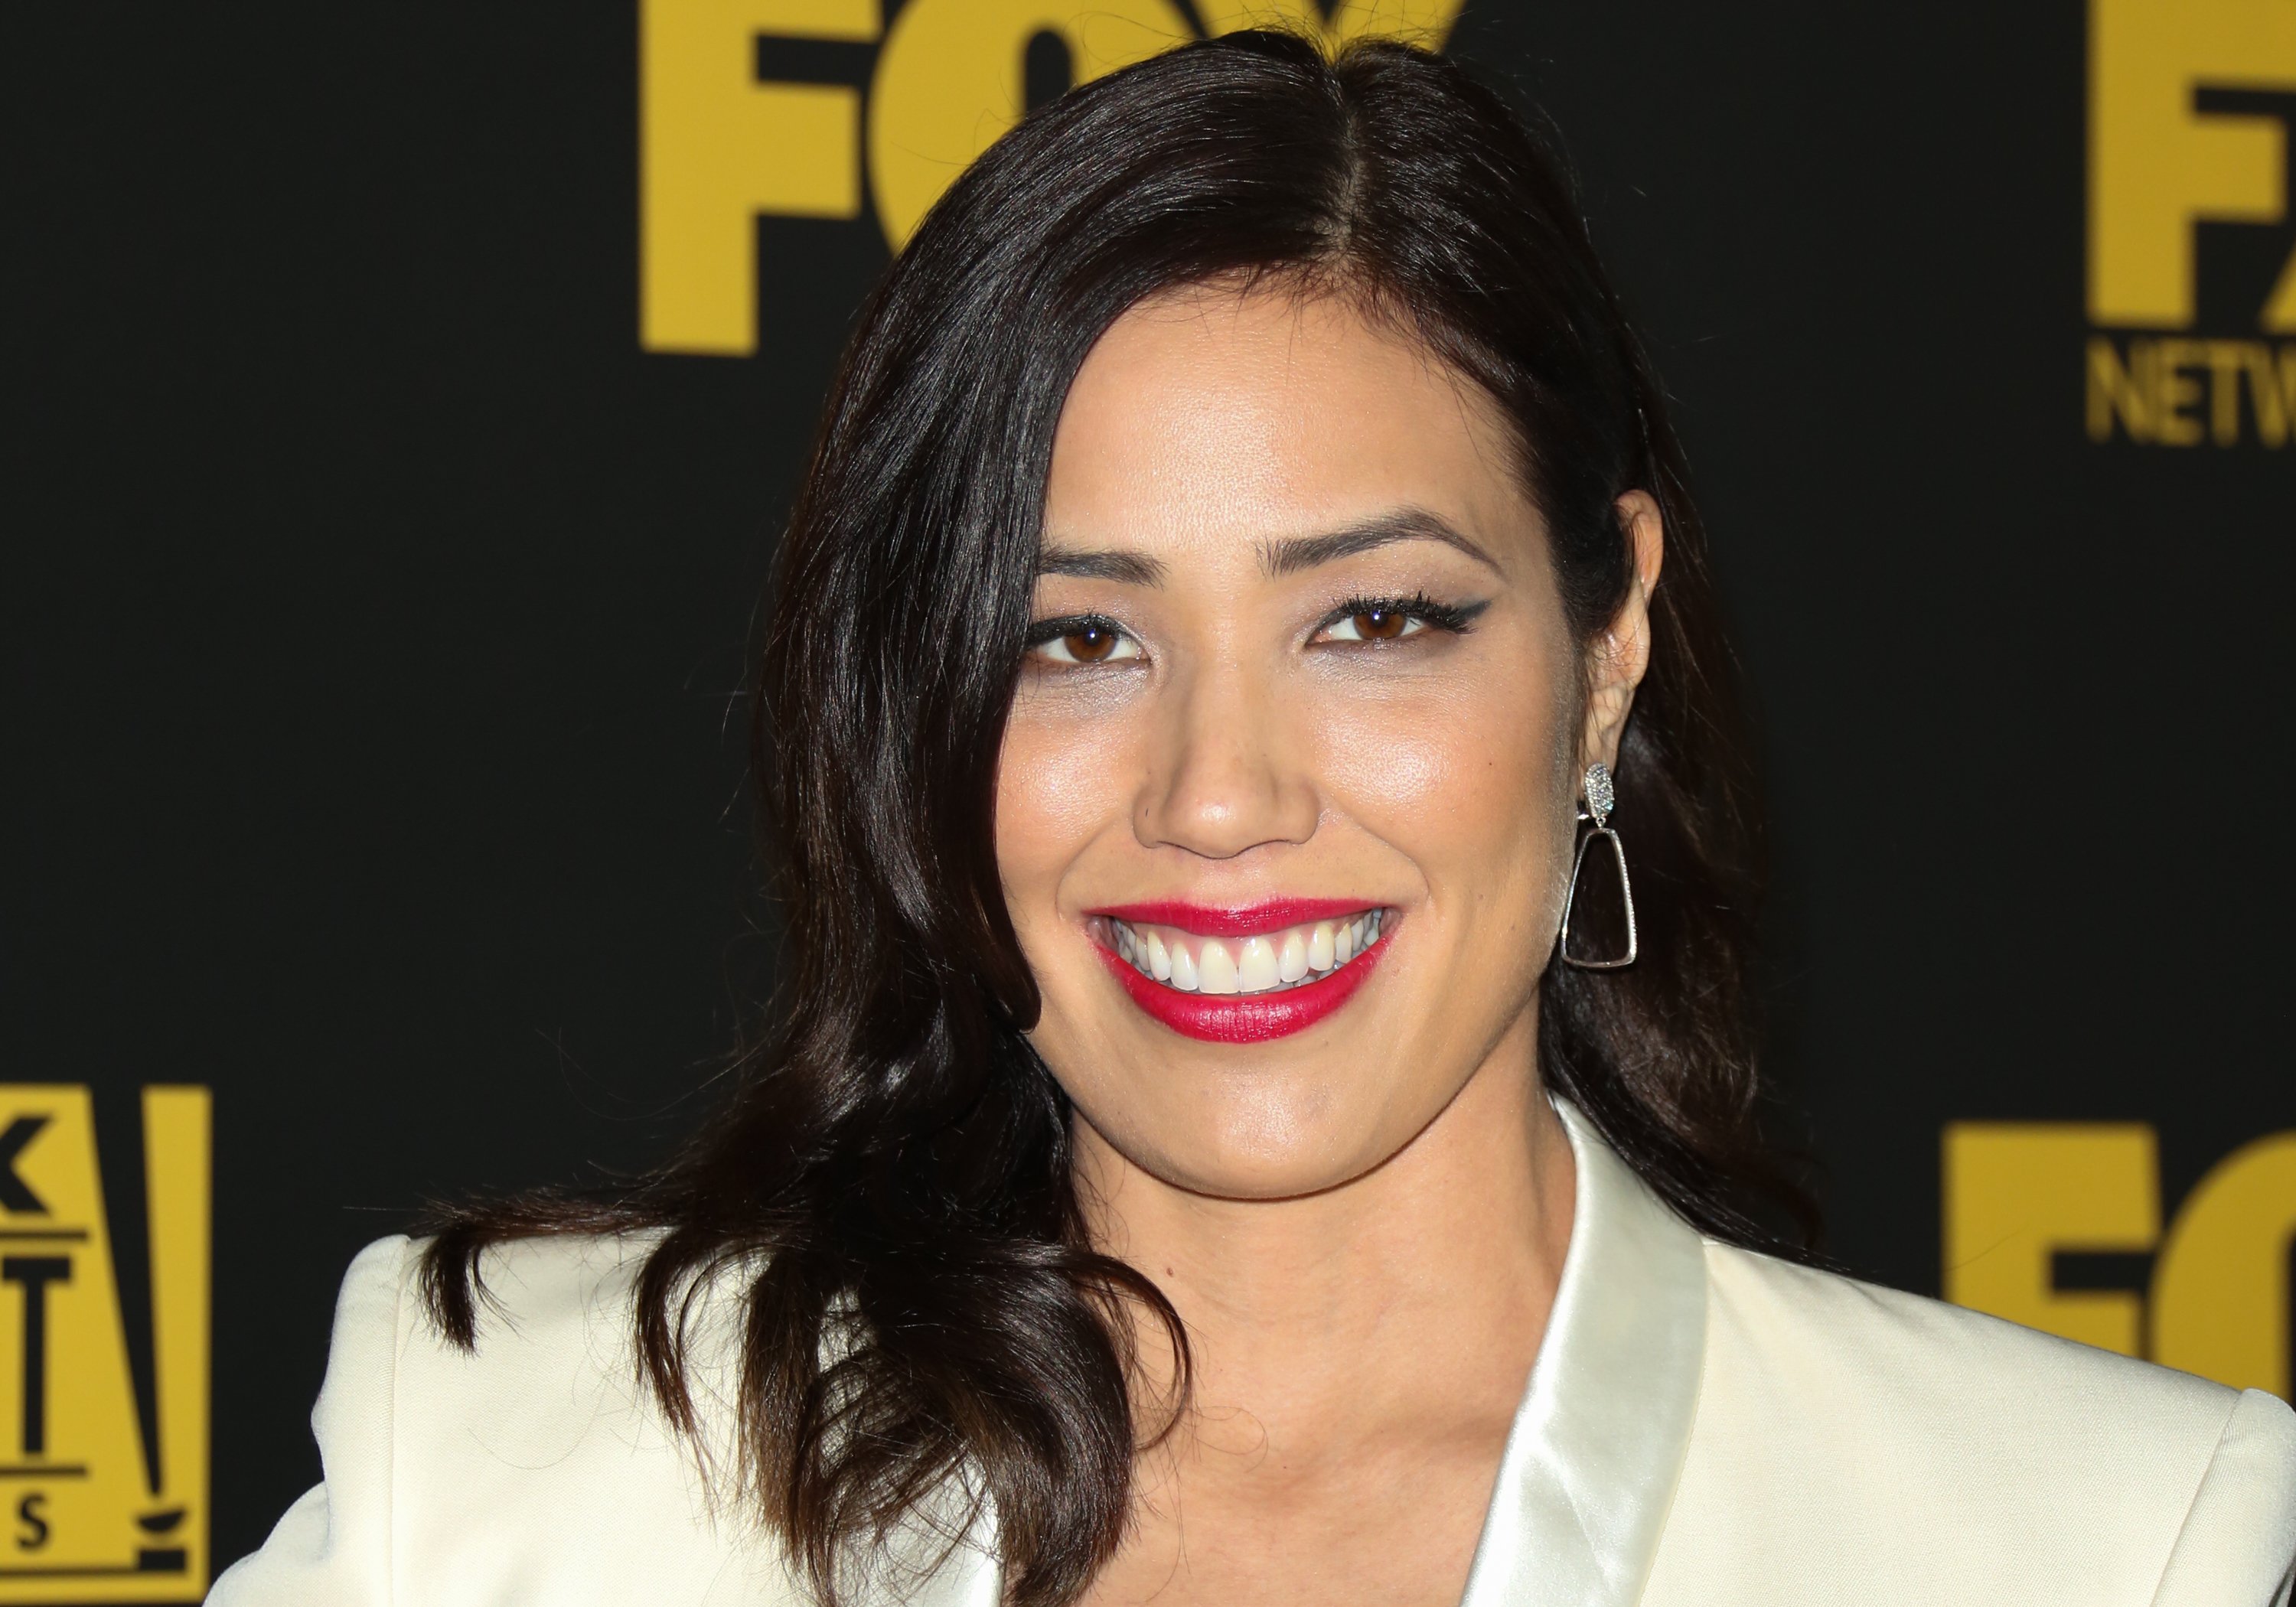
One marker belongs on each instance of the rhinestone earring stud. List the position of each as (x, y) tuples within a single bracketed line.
[(1600, 797)]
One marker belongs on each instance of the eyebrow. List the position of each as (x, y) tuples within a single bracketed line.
[(1276, 558), (1132, 568), (1289, 557)]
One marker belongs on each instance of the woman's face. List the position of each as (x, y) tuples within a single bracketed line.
[(1284, 809)]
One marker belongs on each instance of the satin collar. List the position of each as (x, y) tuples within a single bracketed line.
[(1598, 1443), (1591, 1464)]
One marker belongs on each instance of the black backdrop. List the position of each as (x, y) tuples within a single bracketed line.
[(375, 607)]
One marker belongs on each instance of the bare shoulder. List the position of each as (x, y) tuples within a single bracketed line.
[(1951, 1454)]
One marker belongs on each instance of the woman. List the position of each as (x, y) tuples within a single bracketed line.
[(1263, 1106)]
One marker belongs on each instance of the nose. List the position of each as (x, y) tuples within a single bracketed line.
[(1228, 775)]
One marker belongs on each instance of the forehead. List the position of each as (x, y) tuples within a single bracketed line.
[(1213, 411)]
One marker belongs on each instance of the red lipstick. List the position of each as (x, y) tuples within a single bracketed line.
[(1241, 1018)]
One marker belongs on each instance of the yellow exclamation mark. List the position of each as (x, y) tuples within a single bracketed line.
[(176, 1160)]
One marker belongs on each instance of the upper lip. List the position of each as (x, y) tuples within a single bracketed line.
[(1233, 920)]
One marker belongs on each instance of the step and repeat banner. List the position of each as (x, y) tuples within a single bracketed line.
[(404, 404)]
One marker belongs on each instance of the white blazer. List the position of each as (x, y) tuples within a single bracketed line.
[(1705, 1427)]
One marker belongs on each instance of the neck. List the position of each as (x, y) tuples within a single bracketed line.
[(1413, 1297)]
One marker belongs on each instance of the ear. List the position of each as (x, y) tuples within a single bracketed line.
[(1620, 650)]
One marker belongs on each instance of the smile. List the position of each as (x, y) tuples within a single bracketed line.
[(1264, 962), (1240, 976)]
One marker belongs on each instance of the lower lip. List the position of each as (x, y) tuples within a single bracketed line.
[(1218, 1018)]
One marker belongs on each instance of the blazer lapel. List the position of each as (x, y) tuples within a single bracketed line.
[(1591, 1465)]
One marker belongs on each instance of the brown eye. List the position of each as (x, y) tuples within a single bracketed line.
[(1367, 620), (1084, 642), (1090, 645)]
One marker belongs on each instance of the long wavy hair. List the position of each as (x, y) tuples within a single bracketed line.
[(921, 1314)]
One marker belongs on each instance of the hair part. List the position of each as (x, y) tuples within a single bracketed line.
[(925, 1331)]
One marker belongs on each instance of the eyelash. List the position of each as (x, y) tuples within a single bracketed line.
[(1456, 619), (1043, 633)]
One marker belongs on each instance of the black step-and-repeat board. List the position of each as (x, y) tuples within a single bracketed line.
[(401, 404)]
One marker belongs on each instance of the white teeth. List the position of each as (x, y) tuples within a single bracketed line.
[(1292, 959), (1255, 966), (1216, 966), (1262, 962), (1184, 969)]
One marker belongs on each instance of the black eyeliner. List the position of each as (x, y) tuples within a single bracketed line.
[(1457, 618), (1053, 631)]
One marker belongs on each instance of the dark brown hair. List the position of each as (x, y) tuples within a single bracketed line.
[(888, 1184)]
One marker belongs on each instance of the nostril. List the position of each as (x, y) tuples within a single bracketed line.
[(1224, 827)]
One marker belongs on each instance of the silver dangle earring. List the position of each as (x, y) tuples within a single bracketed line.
[(1601, 798)]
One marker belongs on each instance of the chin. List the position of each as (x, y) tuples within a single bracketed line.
[(1258, 1142)]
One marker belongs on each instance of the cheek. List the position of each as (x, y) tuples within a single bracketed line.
[(1060, 778), (1460, 774)]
